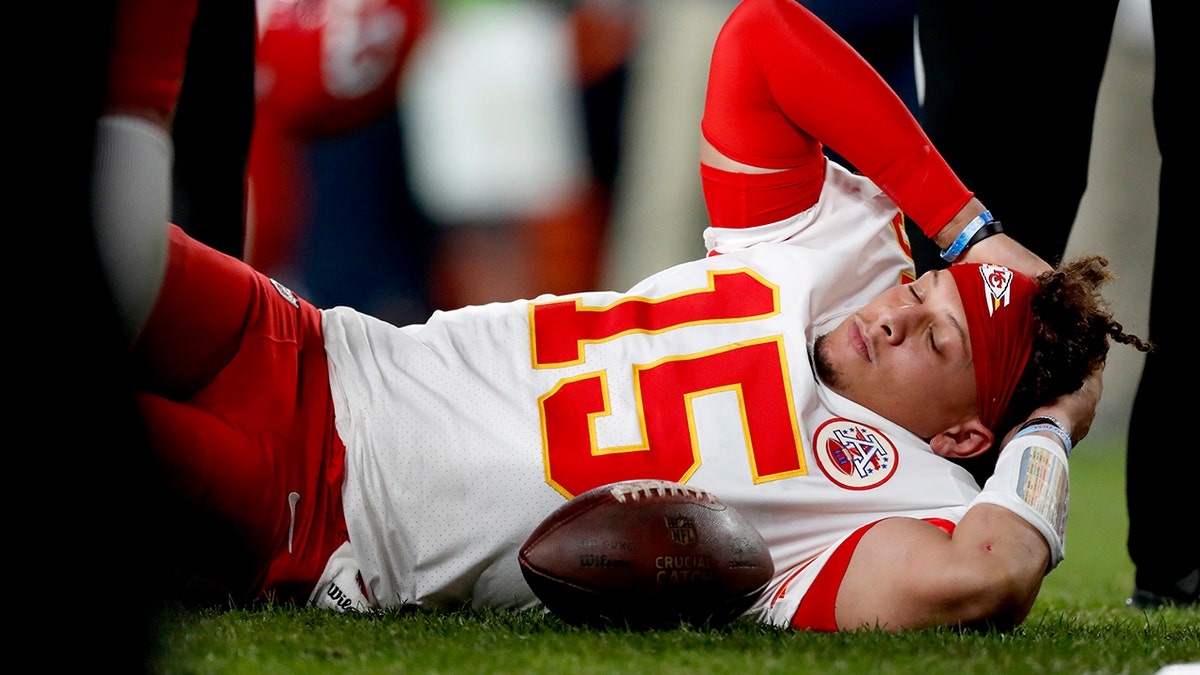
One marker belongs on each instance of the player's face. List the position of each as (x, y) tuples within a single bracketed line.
[(906, 356)]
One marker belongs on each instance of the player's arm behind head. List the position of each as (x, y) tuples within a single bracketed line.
[(907, 573), (1073, 328)]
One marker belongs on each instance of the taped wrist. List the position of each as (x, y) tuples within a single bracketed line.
[(1031, 481)]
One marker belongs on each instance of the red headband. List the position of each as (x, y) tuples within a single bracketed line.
[(1000, 322)]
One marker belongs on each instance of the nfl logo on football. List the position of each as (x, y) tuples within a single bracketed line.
[(682, 530)]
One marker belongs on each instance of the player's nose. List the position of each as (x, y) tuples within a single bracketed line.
[(897, 323)]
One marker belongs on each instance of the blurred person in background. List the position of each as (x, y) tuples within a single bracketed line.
[(412, 155), (331, 211), (512, 113), (1002, 89)]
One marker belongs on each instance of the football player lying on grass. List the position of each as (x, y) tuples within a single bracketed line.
[(798, 372)]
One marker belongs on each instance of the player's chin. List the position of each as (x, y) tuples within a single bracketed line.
[(825, 362)]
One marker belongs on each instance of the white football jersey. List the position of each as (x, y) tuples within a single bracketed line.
[(464, 432)]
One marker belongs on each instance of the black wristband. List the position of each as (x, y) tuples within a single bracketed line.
[(1063, 432), (984, 232)]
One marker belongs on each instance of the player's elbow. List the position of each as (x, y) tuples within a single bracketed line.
[(1002, 560), (908, 574), (1003, 587)]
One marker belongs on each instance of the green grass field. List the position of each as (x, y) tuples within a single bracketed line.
[(1079, 625)]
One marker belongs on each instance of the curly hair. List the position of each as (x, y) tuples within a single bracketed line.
[(1073, 328)]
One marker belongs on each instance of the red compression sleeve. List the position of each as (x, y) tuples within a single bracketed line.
[(781, 83), (149, 50)]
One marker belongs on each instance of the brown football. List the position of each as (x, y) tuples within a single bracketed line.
[(646, 554)]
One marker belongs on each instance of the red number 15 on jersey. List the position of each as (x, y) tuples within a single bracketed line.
[(756, 371)]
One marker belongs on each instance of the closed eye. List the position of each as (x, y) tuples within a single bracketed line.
[(917, 296)]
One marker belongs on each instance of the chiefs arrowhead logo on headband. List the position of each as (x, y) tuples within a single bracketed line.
[(997, 281), (997, 302)]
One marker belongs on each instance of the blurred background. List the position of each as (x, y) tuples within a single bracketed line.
[(413, 155), (1118, 214)]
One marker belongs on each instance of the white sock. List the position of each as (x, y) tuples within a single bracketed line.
[(131, 206)]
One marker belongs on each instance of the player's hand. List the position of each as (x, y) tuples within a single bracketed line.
[(998, 249), (1077, 409), (1002, 249)]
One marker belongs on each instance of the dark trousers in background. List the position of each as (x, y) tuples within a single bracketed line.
[(213, 124), (1010, 100)]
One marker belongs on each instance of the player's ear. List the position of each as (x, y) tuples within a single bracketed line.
[(963, 440)]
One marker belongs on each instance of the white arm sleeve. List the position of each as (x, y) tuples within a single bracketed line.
[(131, 205), (1031, 481)]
